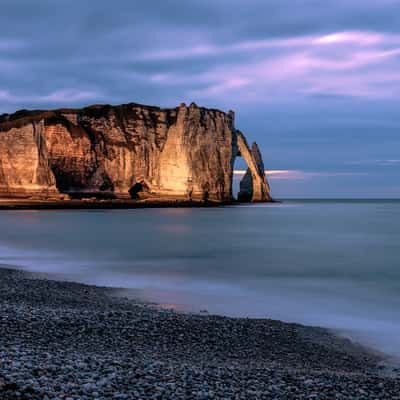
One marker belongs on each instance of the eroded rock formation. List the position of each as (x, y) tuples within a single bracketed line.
[(126, 151), (254, 185)]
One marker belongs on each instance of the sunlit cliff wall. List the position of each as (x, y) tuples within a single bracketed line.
[(183, 153)]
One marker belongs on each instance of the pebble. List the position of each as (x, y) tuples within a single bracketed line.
[(67, 341)]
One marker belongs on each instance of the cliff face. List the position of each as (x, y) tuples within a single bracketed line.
[(131, 150)]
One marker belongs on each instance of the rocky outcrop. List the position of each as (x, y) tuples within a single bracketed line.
[(254, 185), (126, 151)]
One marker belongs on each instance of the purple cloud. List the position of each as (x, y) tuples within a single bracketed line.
[(346, 63), (296, 174), (59, 96)]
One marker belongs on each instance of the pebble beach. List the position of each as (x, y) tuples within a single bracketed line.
[(68, 341)]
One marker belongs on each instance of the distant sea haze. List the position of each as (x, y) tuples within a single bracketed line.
[(327, 263)]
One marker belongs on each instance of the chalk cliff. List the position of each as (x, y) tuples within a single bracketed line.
[(126, 151)]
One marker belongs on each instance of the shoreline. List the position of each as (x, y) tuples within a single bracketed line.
[(113, 204), (102, 204), (68, 340)]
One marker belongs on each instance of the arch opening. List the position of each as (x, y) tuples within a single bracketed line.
[(240, 169)]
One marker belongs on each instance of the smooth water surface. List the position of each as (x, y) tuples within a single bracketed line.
[(328, 263)]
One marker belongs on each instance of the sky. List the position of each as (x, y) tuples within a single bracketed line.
[(315, 83)]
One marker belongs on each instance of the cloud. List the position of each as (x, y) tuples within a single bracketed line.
[(71, 95), (10, 44), (57, 97), (359, 64), (193, 51), (272, 174), (297, 174), (345, 63), (361, 38), (382, 163)]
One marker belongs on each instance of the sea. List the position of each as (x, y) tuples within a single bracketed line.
[(329, 263)]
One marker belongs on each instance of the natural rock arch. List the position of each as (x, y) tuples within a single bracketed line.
[(254, 185)]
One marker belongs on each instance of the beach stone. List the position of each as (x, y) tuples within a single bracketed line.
[(48, 352)]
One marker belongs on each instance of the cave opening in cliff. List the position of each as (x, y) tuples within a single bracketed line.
[(137, 188)]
